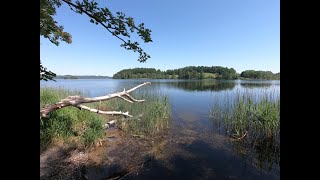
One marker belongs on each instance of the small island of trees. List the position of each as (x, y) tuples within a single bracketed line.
[(195, 72)]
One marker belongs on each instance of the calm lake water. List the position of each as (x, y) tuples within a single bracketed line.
[(199, 149)]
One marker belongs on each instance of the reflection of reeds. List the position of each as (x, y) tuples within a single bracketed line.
[(255, 114), (263, 152), (202, 85)]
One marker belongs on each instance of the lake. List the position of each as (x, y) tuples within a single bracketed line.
[(198, 148)]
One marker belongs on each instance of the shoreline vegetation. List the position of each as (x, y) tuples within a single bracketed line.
[(189, 72), (79, 128), (195, 72)]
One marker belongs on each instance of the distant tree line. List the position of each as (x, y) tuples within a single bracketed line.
[(193, 72), (80, 77), (190, 72), (252, 74)]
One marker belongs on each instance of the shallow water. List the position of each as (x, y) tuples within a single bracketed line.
[(195, 148)]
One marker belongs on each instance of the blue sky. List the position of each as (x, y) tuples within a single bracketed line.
[(242, 34)]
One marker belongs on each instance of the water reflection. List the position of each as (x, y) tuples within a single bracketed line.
[(255, 85), (204, 85), (263, 153), (102, 86), (258, 148)]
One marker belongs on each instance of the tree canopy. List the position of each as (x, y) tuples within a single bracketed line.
[(118, 24), (189, 72), (194, 72), (252, 74)]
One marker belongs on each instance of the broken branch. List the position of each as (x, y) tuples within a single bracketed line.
[(76, 101), (104, 112)]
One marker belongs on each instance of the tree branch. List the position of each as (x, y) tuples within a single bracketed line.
[(134, 88), (76, 101), (132, 99), (125, 99), (104, 112), (91, 16)]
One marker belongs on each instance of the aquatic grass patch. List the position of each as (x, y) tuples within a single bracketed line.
[(149, 117), (252, 119), (245, 111)]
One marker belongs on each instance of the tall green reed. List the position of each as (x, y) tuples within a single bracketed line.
[(149, 117), (255, 115)]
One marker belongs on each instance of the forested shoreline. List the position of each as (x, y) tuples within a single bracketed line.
[(195, 72), (81, 77)]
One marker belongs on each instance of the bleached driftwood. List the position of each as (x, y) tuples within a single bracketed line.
[(108, 124), (77, 101)]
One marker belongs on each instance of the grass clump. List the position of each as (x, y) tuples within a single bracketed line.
[(149, 117), (94, 131), (249, 112), (69, 123)]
